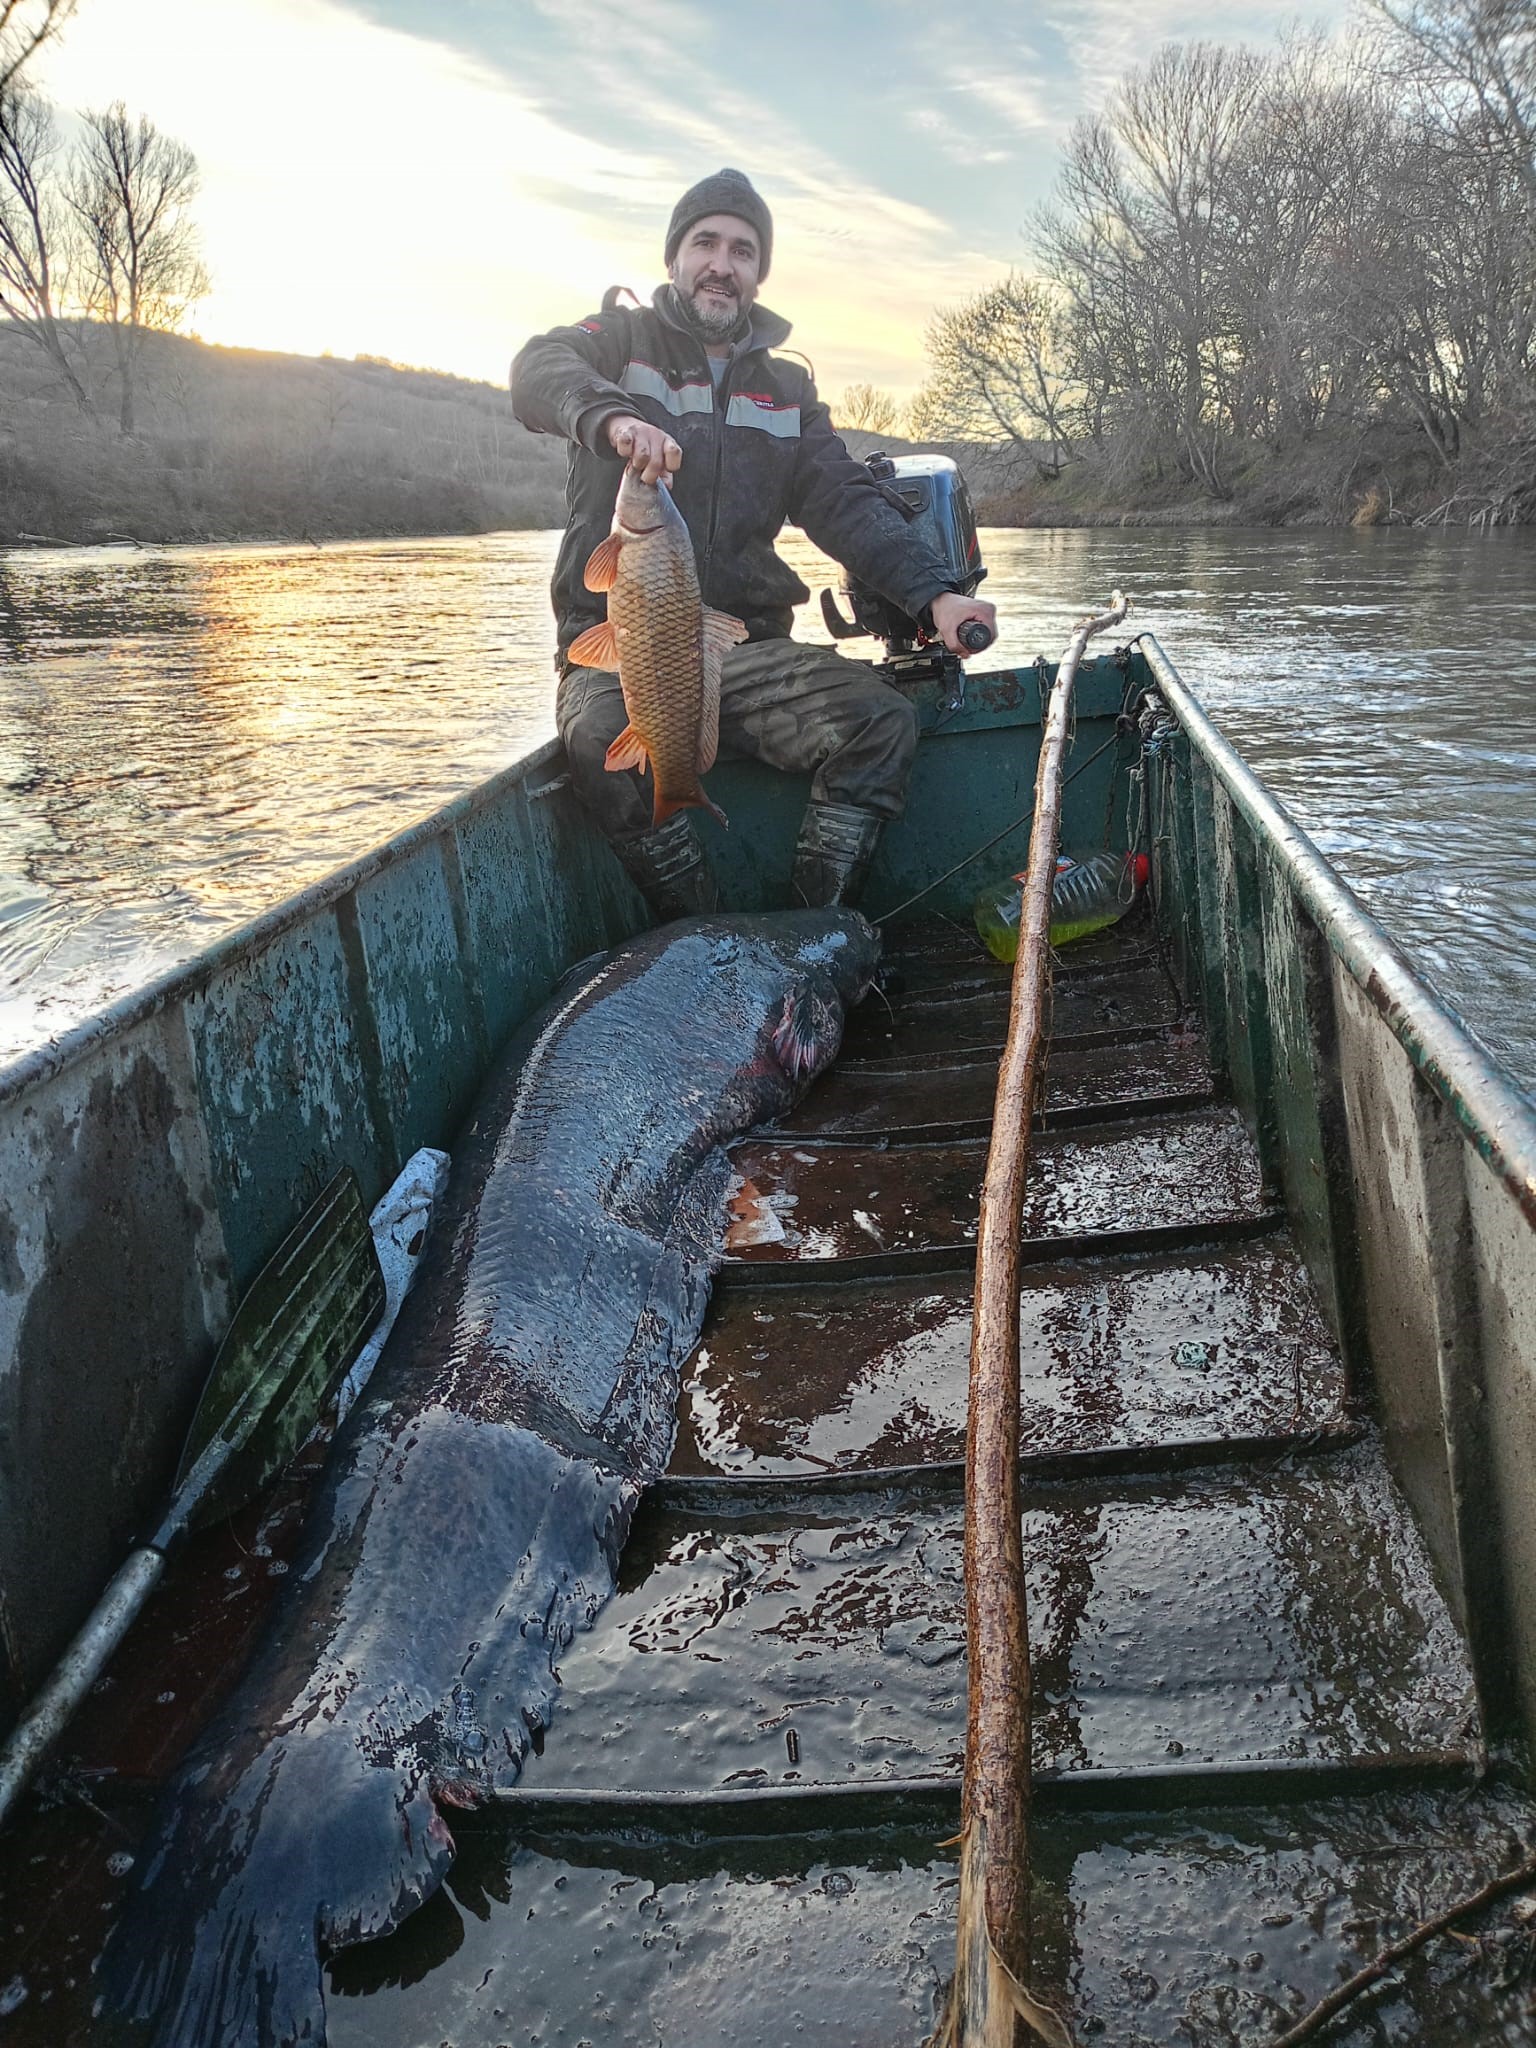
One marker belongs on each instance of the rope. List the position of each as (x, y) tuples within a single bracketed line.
[(987, 846), (1121, 727)]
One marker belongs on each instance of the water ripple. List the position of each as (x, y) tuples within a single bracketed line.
[(187, 736)]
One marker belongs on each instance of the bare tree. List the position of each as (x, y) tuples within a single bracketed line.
[(1477, 53), (1452, 289), (24, 25), (864, 408), (997, 372), (1243, 253), (132, 192), (1300, 189), (1133, 238), (35, 233)]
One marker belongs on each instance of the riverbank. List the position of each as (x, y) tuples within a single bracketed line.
[(1383, 478), (245, 445)]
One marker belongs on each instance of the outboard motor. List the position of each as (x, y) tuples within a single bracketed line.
[(931, 493)]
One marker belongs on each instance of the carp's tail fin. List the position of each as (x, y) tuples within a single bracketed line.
[(235, 1896), (665, 807), (629, 750)]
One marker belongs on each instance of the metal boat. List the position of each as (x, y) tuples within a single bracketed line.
[(1279, 1358)]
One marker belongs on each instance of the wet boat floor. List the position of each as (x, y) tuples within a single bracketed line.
[(1256, 1740)]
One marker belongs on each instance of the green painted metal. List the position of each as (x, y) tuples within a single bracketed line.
[(975, 774), (1343, 1284), (1295, 1086), (1250, 1026), (1210, 915), (1408, 1164)]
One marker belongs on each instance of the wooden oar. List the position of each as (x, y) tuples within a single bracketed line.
[(988, 1998), (298, 1328)]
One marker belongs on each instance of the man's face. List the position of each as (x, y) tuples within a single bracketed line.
[(715, 272)]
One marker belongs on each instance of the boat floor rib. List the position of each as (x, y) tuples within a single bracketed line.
[(1257, 1747)]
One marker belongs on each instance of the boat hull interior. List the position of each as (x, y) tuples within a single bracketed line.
[(1284, 1646)]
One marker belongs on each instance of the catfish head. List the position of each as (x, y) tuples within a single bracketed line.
[(832, 955)]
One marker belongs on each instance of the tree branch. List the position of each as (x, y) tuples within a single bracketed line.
[(1312, 2023)]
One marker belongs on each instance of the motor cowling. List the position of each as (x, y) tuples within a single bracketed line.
[(931, 492)]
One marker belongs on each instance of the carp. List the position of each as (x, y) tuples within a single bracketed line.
[(666, 644), (471, 1513)]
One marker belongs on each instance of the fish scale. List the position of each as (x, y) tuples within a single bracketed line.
[(666, 644), (658, 621)]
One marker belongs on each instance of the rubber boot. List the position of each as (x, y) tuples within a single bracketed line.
[(833, 854), (671, 870)]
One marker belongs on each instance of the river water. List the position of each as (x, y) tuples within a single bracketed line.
[(188, 736)]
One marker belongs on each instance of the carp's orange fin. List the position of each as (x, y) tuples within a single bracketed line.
[(722, 627), (720, 631), (627, 751), (665, 807), (603, 567), (596, 648)]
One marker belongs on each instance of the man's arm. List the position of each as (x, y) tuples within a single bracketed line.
[(837, 503), (565, 382)]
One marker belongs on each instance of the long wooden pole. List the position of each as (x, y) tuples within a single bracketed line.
[(988, 1998)]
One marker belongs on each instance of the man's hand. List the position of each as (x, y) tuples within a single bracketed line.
[(650, 451), (951, 612)]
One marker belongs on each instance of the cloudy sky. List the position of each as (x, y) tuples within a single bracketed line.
[(432, 180)]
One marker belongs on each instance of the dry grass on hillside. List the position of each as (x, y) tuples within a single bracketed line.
[(236, 444)]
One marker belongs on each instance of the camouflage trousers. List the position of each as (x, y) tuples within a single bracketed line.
[(804, 710)]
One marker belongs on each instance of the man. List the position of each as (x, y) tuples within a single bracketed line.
[(687, 391)]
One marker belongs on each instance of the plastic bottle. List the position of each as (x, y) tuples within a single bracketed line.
[(1091, 891)]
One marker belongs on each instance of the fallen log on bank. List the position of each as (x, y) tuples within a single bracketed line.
[(989, 2002)]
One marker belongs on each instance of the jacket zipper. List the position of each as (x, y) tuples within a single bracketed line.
[(717, 418)]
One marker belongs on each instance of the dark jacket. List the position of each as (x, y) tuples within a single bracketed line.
[(759, 450)]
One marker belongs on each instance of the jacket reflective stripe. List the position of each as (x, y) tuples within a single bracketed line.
[(745, 409), (644, 380)]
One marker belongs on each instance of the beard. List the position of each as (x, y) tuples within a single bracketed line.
[(711, 318)]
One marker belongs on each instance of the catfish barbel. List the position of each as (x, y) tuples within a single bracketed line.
[(475, 1502), (666, 644)]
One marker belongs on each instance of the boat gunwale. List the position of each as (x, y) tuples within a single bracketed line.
[(1497, 1118)]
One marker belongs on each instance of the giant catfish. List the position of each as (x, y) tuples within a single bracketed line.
[(474, 1504)]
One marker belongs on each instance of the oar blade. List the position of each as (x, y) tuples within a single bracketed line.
[(301, 1323)]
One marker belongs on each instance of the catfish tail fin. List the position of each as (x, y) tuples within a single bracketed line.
[(240, 1889)]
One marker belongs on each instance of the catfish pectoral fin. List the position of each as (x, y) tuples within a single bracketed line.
[(808, 1034)]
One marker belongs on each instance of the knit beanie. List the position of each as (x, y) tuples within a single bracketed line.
[(726, 192)]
